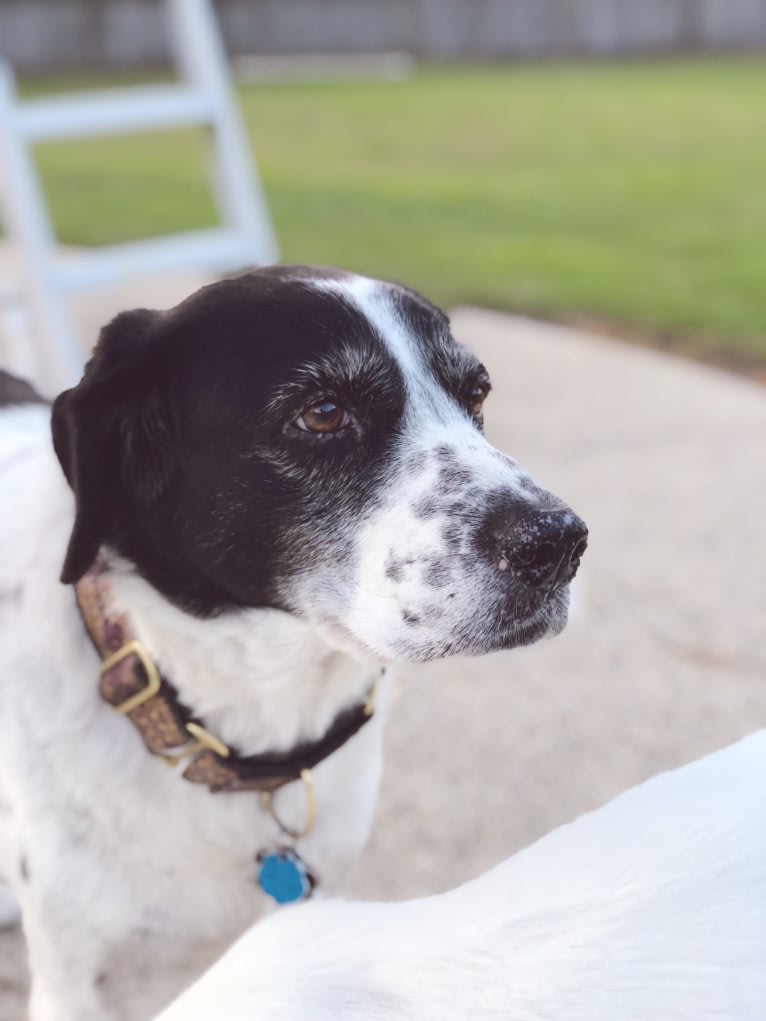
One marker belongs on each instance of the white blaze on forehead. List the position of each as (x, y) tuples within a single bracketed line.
[(377, 303), (432, 414)]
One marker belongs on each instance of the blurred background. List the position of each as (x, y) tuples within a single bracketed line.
[(596, 164)]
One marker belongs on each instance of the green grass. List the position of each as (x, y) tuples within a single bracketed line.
[(629, 195)]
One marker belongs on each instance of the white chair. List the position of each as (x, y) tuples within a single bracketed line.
[(46, 278)]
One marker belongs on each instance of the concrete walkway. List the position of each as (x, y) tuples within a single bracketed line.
[(664, 658)]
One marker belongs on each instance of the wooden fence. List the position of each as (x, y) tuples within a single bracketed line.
[(70, 33)]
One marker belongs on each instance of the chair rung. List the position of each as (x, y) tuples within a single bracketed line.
[(113, 111), (210, 251)]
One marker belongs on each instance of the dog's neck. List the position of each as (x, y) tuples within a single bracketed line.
[(260, 679)]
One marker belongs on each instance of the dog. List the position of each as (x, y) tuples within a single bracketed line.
[(652, 908), (261, 499)]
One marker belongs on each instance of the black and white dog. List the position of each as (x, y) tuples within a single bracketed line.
[(279, 486)]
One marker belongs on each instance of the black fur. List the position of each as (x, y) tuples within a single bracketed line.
[(180, 447)]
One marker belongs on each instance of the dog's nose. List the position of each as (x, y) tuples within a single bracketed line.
[(544, 548)]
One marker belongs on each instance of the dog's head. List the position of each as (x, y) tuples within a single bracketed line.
[(312, 441)]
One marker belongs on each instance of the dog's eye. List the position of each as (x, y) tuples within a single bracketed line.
[(325, 417), (477, 398)]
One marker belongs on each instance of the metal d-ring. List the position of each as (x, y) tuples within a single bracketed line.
[(308, 782)]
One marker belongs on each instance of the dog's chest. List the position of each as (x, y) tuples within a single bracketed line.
[(168, 855), (164, 870)]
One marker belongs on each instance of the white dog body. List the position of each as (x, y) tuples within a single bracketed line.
[(652, 908)]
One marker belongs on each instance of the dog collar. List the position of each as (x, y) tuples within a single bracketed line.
[(132, 685)]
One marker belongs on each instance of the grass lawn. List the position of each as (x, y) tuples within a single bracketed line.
[(631, 196)]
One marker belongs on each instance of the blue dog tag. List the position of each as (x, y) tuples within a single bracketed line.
[(284, 876)]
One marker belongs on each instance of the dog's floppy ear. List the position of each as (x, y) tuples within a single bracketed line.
[(110, 432)]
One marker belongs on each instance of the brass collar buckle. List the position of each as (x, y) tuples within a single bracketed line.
[(200, 738), (153, 682)]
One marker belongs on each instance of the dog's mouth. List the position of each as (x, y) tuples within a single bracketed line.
[(548, 620), (508, 626)]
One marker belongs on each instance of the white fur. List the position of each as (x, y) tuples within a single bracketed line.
[(114, 840), (653, 908)]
